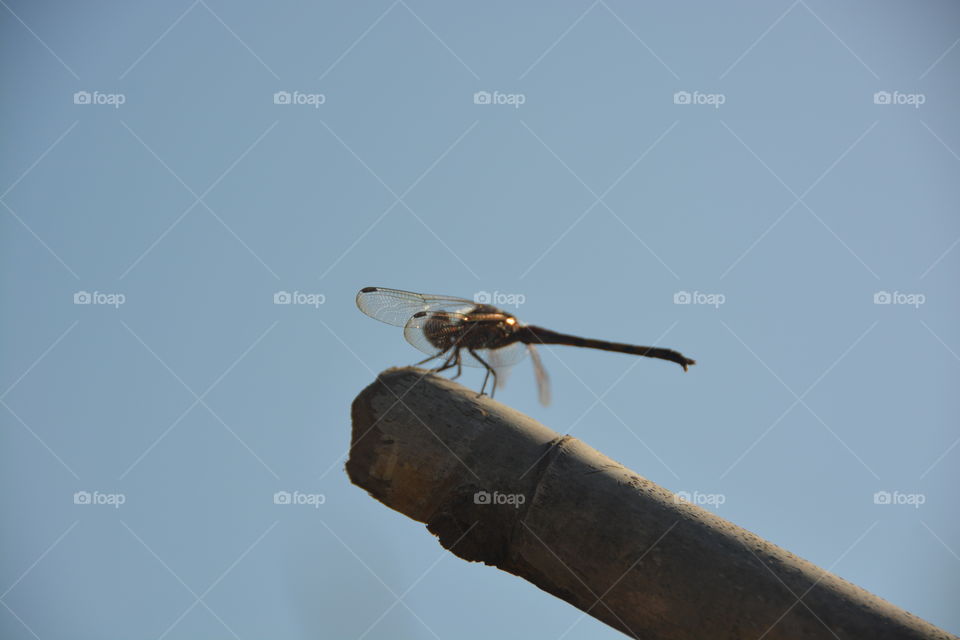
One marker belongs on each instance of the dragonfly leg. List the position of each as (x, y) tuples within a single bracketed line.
[(490, 370), (444, 366), (459, 366), (426, 360)]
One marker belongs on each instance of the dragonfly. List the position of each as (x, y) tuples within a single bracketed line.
[(464, 332)]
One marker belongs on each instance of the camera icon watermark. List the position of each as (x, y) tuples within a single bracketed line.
[(100, 298), (111, 99), (496, 498), (897, 297), (697, 97), (899, 498), (715, 500), (910, 99), (497, 97), (96, 498), (698, 297), (311, 99), (499, 299), (298, 498), (298, 297)]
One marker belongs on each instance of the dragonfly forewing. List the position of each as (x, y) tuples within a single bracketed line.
[(396, 307)]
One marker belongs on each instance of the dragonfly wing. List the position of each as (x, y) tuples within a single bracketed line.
[(502, 374), (504, 357), (543, 380), (413, 328), (502, 360), (396, 307)]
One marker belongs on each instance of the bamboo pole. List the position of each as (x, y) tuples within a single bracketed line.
[(496, 486)]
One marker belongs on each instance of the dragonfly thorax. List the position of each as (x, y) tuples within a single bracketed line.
[(483, 327)]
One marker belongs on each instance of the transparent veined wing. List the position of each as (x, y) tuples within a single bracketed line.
[(503, 359), (448, 322), (396, 307), (543, 380)]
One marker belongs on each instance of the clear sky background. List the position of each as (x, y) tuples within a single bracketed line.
[(599, 198)]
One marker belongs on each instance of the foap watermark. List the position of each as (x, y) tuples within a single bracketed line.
[(95, 97), (499, 299), (497, 498), (699, 297), (296, 97), (897, 497), (111, 499), (297, 497), (911, 99), (714, 500), (898, 297), (299, 297), (697, 97), (99, 297), (497, 97)]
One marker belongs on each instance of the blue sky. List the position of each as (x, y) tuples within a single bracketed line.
[(791, 166)]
